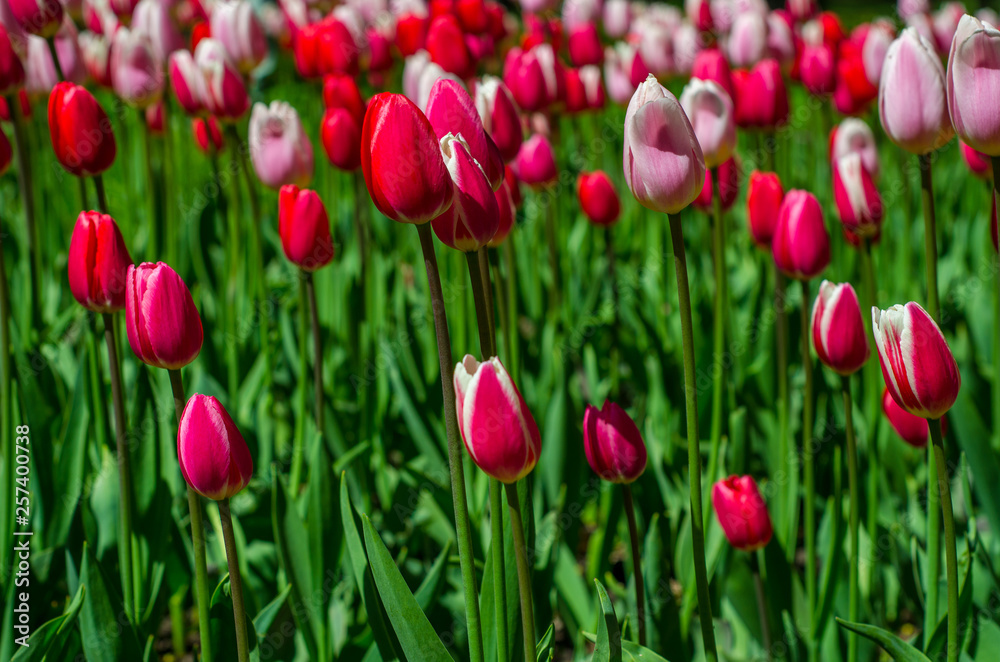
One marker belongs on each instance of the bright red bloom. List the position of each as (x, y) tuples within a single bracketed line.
[(304, 228), (81, 133), (98, 263)]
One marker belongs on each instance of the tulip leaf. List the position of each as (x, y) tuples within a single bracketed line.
[(433, 580), (322, 522), (609, 637), (104, 631), (70, 467), (416, 634), (223, 624), (897, 649), (544, 650), (51, 635), (265, 617), (632, 652), (935, 646)]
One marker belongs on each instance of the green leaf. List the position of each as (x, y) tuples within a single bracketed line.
[(51, 633), (937, 643), (544, 650), (897, 649), (262, 621), (433, 580), (105, 632), (416, 635), (635, 653), (609, 638), (323, 525), (69, 470), (223, 624)]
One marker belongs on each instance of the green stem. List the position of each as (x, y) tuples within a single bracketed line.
[(51, 41), (81, 184), (873, 381), (758, 589), (6, 432), (555, 286), (640, 588), (484, 268), (995, 197), (298, 441), (513, 350), (951, 555), (718, 327), (317, 350), (457, 472), (809, 465), (155, 222), (523, 571), (930, 236), (235, 581), (855, 515), (132, 607), (609, 248), (694, 453), (781, 340), (102, 198), (197, 537), (933, 545), (28, 201)]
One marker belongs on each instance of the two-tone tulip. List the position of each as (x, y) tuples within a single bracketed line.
[(155, 19), (214, 458), (225, 91), (98, 263), (187, 81), (499, 115), (858, 201), (473, 218), (163, 325), (235, 25), (136, 72), (838, 330), (450, 109), (801, 245), (764, 196), (280, 150), (613, 444), (81, 133), (710, 111), (973, 80), (207, 135), (853, 135), (742, 513)]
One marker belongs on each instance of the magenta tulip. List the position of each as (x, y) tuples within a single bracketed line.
[(187, 82), (974, 84), (911, 429), (613, 443), (164, 328), (214, 458), (535, 164), (11, 68), (225, 92), (838, 330), (506, 211), (742, 513), (748, 39), (979, 164), (155, 19), (598, 198), (711, 64), (279, 147), (585, 45), (801, 245), (450, 109), (818, 69), (39, 17), (98, 263), (473, 218)]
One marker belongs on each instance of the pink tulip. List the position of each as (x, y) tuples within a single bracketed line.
[(764, 196), (40, 70), (710, 111), (536, 163), (98, 263), (662, 158), (911, 98), (818, 69), (742, 513), (473, 218), (522, 74), (854, 136), (155, 19), (446, 45), (858, 201), (617, 72), (164, 329), (498, 429), (279, 147), (780, 39), (213, 456), (973, 81), (919, 369), (908, 8), (136, 73), (613, 444), (225, 92), (838, 330), (801, 10), (801, 245), (687, 45), (979, 164), (237, 27), (617, 17), (655, 42), (912, 429), (499, 115), (945, 23), (876, 45), (748, 40), (450, 109), (711, 64)]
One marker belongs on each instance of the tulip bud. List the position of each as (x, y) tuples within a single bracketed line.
[(506, 208), (498, 429), (979, 164), (854, 136), (761, 99), (340, 135), (81, 133), (446, 45), (95, 51), (617, 67), (919, 369), (858, 201), (341, 91), (908, 8), (214, 458), (40, 71), (711, 113), (136, 73), (764, 196), (598, 198), (39, 17), (98, 263), (235, 25), (450, 109), (187, 82), (616, 18), (207, 135), (11, 69), (662, 158), (155, 19), (304, 228), (742, 513), (68, 53), (748, 40), (613, 444), (412, 186), (411, 33), (780, 38), (522, 74), (818, 69), (801, 245), (164, 329), (225, 92), (911, 99), (473, 217), (729, 176), (536, 163), (711, 64), (585, 45), (876, 45), (279, 148), (912, 429), (973, 79), (499, 116), (838, 330)]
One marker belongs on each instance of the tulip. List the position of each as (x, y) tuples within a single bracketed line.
[(213, 456), (761, 99), (585, 45), (979, 164), (945, 23), (379, 50), (411, 33), (617, 72), (535, 164), (911, 99), (598, 199), (801, 10), (95, 51), (340, 135), (854, 136), (748, 39), (780, 39), (11, 69), (450, 109), (499, 115), (911, 429), (68, 53), (800, 245), (164, 329), (498, 429), (613, 444), (764, 196), (974, 79), (742, 513), (154, 118), (235, 25), (98, 262), (818, 69), (616, 18), (908, 8), (279, 147), (593, 87), (876, 45), (412, 186), (81, 133), (38, 17), (522, 74), (225, 92), (919, 369), (473, 218), (655, 44), (853, 91), (40, 70), (155, 19), (662, 158), (446, 45), (472, 15), (711, 64), (710, 110), (207, 135), (341, 91), (506, 209), (838, 330), (187, 82), (334, 48), (858, 201), (136, 73), (729, 188), (699, 12), (304, 228)]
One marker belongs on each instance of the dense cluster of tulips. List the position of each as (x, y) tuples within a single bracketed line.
[(436, 114)]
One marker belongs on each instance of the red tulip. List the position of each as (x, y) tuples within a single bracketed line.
[(838, 330), (472, 15), (764, 196), (412, 186), (729, 176), (450, 109), (11, 69), (154, 118), (613, 444), (340, 135), (207, 135), (98, 263), (818, 69), (499, 116), (598, 198), (801, 245), (39, 17), (411, 33), (304, 228), (536, 163), (213, 456), (446, 45), (326, 47), (163, 325), (81, 133), (341, 91), (742, 513), (911, 429)]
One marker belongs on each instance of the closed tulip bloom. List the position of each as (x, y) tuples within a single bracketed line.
[(213, 456), (748, 39), (40, 70), (499, 116), (473, 217), (838, 330), (699, 12), (340, 135), (498, 429), (95, 51), (613, 444), (979, 164), (710, 111), (919, 369), (780, 39), (908, 8), (11, 69), (411, 33), (912, 103), (711, 64), (801, 245), (341, 91), (764, 196), (761, 97), (655, 42), (876, 45), (98, 263), (585, 45), (742, 513), (446, 45), (304, 228), (853, 135), (207, 135), (412, 186), (136, 73), (38, 17), (234, 23), (450, 109), (662, 158), (617, 15), (536, 162), (163, 325), (617, 67), (225, 92), (818, 69), (187, 82), (598, 198), (155, 19), (506, 210), (279, 147), (522, 74), (858, 201), (914, 430), (729, 178), (81, 133), (973, 81)]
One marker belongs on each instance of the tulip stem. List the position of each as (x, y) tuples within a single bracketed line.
[(694, 452), (235, 581), (855, 515), (872, 377), (132, 608), (758, 589), (155, 222), (930, 236), (457, 472), (7, 414), (640, 589), (609, 248), (51, 41), (102, 198), (809, 463), (718, 326), (28, 201), (317, 350), (995, 197), (479, 298), (781, 339), (197, 537), (951, 555), (523, 571)]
